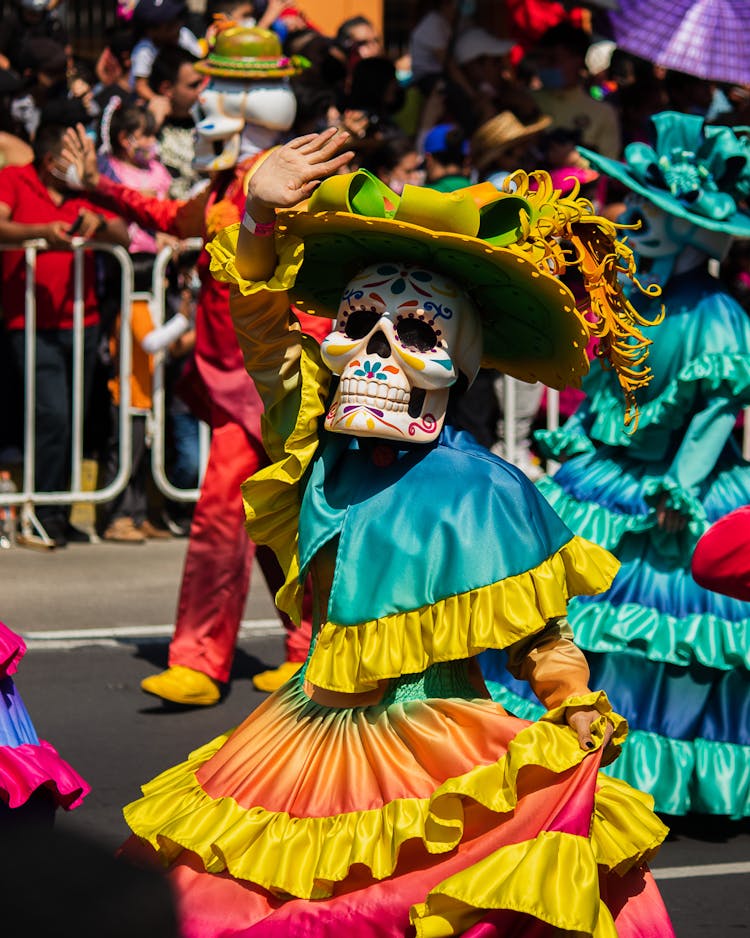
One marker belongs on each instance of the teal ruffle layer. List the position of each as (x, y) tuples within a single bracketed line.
[(607, 528), (682, 776), (709, 375), (704, 638)]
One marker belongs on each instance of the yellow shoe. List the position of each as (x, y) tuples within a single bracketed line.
[(272, 680), (183, 686)]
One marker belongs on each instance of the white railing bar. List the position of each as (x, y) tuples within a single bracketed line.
[(158, 454)]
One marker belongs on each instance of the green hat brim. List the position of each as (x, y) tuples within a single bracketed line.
[(737, 225), (530, 326), (220, 69)]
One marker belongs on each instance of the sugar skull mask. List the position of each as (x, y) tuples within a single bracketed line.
[(665, 235), (402, 336)]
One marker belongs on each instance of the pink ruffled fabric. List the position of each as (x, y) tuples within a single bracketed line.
[(12, 649), (26, 768)]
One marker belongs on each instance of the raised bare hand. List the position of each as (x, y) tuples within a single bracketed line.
[(580, 719), (78, 151), (291, 173)]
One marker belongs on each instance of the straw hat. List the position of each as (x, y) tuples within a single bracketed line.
[(499, 134)]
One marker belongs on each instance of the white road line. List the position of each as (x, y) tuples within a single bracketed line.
[(708, 869), (65, 639)]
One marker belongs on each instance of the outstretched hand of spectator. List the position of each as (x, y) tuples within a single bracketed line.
[(77, 160)]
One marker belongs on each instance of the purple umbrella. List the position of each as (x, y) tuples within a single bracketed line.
[(706, 38)]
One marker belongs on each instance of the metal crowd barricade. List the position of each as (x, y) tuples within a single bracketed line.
[(552, 410), (32, 531), (159, 401)]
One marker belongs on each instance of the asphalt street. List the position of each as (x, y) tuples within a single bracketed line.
[(97, 619)]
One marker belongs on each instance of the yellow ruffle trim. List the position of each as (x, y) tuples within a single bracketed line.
[(554, 878), (272, 496), (223, 250), (354, 658), (306, 856)]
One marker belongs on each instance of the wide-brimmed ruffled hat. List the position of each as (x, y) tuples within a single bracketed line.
[(503, 248), (245, 52), (692, 170)]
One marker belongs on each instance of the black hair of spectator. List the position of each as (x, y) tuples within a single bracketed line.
[(48, 139), (220, 6), (320, 51), (10, 83), (573, 38), (374, 87), (120, 41), (570, 135), (167, 64), (84, 70), (126, 119), (343, 37), (314, 98), (65, 111), (40, 54), (387, 153)]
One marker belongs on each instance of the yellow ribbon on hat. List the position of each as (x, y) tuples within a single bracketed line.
[(479, 211)]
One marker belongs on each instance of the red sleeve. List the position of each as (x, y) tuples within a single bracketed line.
[(184, 219), (721, 561), (9, 187)]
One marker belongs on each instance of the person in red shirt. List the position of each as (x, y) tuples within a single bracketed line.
[(35, 203), (217, 569), (721, 561)]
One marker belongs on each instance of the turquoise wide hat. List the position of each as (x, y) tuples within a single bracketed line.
[(692, 170)]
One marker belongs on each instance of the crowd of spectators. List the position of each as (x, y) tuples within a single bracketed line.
[(458, 105)]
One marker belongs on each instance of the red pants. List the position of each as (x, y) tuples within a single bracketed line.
[(216, 577)]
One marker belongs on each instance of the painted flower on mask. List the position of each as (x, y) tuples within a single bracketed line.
[(370, 370), (400, 279)]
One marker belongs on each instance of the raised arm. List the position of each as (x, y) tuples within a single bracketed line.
[(269, 336), (286, 177), (77, 165)]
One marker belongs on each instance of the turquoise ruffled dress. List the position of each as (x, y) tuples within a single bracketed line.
[(676, 657)]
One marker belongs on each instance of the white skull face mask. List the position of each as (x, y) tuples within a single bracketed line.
[(664, 235), (402, 336), (228, 106)]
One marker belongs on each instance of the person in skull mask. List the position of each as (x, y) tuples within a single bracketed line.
[(246, 105), (380, 790), (673, 651)]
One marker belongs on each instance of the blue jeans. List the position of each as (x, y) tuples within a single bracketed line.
[(185, 441)]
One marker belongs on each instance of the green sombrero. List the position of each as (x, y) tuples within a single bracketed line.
[(532, 329), (695, 171), (249, 52)]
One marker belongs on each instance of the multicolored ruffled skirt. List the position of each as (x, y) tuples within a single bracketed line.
[(28, 765), (435, 816), (673, 656)]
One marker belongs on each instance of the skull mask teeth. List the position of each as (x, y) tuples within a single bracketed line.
[(402, 335)]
